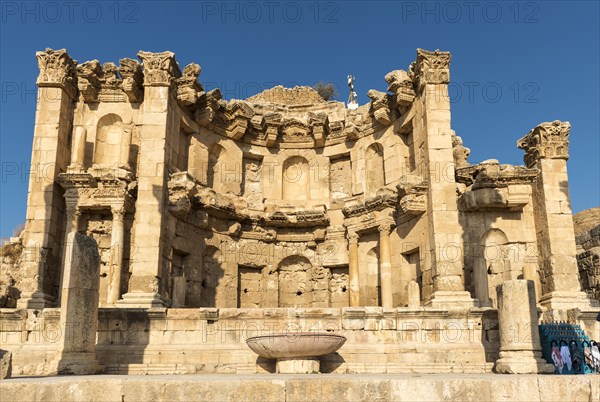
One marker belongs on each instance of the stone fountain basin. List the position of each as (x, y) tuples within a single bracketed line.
[(295, 345)]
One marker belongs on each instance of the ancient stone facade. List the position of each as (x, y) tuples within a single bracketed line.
[(285, 200)]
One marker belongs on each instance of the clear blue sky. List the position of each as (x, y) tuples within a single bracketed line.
[(514, 64)]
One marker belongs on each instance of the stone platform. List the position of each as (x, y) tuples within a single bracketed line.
[(304, 387)]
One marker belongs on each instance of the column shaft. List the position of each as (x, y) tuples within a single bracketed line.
[(385, 266), (353, 275), (116, 261)]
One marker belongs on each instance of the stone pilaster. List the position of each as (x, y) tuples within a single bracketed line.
[(50, 156), (149, 266), (385, 266), (547, 148), (432, 74), (353, 273)]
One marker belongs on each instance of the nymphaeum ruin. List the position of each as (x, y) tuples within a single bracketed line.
[(212, 213)]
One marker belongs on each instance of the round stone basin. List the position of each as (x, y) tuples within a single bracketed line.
[(295, 345)]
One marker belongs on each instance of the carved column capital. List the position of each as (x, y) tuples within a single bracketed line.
[(73, 212), (353, 237), (57, 69), (118, 212), (549, 140), (160, 69), (385, 228), (431, 67)]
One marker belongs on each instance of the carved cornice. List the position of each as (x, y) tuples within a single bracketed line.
[(387, 199), (160, 69), (88, 80), (549, 140), (400, 84), (382, 107), (83, 191), (57, 69), (297, 219), (412, 197), (131, 73), (491, 174), (188, 87)]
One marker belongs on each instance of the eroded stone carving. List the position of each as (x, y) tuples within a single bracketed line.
[(57, 69), (548, 140), (131, 72), (160, 69)]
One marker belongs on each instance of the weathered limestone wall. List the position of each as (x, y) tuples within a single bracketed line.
[(464, 387), (166, 341)]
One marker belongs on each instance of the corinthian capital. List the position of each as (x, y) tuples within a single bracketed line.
[(432, 67), (57, 69), (548, 140), (160, 69)]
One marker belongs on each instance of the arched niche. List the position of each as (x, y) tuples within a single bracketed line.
[(374, 167), (296, 179), (490, 266), (113, 139), (216, 175), (212, 272), (295, 282)]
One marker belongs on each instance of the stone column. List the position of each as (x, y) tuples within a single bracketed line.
[(547, 148), (117, 239), (49, 157), (79, 311), (149, 267), (77, 150), (72, 216), (385, 266), (353, 273), (432, 70), (520, 349)]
